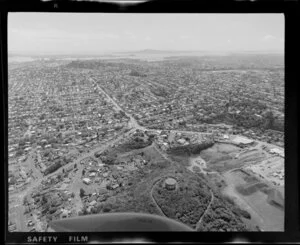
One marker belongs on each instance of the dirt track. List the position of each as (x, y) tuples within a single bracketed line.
[(153, 199), (206, 210)]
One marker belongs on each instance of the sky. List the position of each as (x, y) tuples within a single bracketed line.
[(95, 33)]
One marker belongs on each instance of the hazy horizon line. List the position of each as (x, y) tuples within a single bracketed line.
[(18, 53)]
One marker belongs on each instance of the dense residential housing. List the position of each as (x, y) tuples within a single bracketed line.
[(174, 137)]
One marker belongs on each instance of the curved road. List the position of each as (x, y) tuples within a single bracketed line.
[(156, 204), (162, 212), (153, 199)]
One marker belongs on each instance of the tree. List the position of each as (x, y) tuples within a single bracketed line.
[(45, 208), (269, 119), (84, 210), (25, 201), (44, 199), (19, 152), (52, 210), (49, 217), (81, 193), (43, 116), (53, 168), (59, 176), (106, 209), (122, 113)]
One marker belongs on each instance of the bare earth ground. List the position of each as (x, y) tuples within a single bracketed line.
[(227, 159), (268, 217)]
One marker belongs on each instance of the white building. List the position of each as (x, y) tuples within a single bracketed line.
[(181, 141), (92, 174), (225, 136), (87, 181)]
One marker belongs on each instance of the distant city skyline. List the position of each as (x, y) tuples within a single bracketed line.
[(92, 34)]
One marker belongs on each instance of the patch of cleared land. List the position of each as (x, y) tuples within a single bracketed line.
[(251, 176), (271, 169), (221, 157), (252, 196), (197, 162)]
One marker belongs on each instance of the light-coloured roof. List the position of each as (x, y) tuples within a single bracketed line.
[(92, 203), (170, 181), (240, 139)]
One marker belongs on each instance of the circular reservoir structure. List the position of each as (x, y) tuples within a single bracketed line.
[(170, 183)]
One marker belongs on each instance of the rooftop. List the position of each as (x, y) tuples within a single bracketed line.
[(170, 181)]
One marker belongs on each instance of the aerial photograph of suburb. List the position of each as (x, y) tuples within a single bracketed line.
[(177, 116)]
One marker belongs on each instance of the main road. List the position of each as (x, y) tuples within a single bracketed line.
[(132, 122)]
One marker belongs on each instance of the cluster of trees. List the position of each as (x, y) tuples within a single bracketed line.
[(197, 148), (248, 190), (120, 114), (179, 151), (190, 148), (137, 74), (81, 193), (89, 101), (187, 203), (159, 91), (221, 217), (53, 168), (50, 204), (109, 159), (235, 209), (137, 143), (253, 114), (133, 198), (161, 164), (20, 152), (242, 213), (267, 121)]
